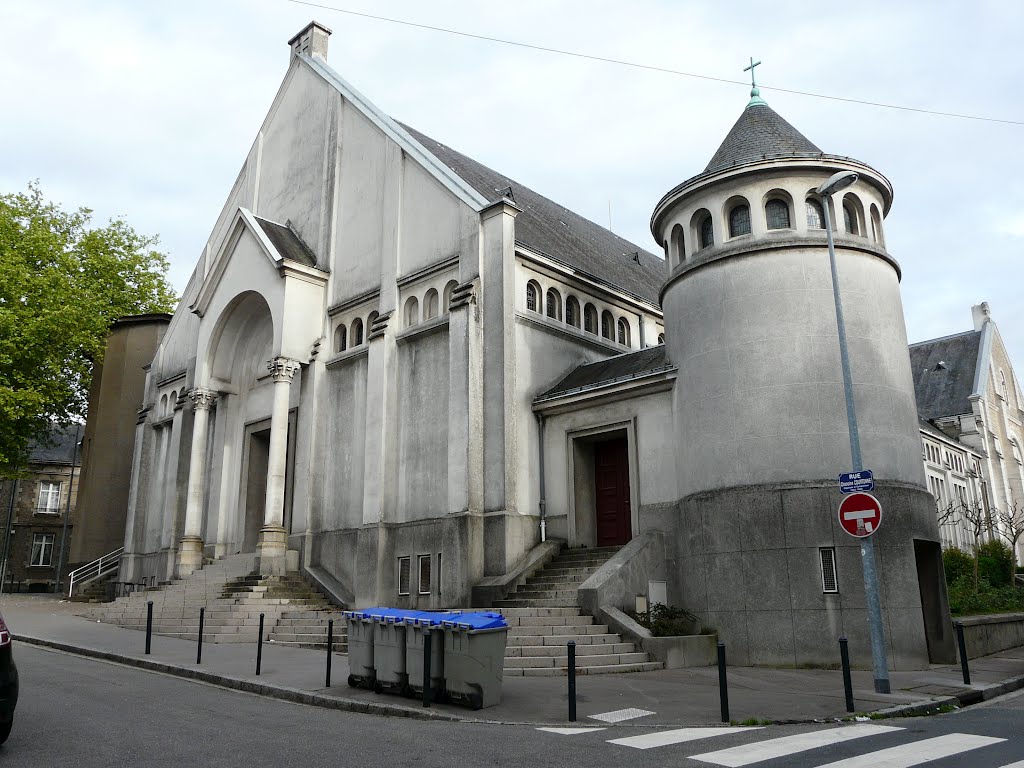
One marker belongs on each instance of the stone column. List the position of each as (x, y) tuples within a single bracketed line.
[(271, 550), (190, 552)]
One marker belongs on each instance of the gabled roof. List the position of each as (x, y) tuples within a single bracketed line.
[(555, 231), (286, 241), (759, 132), (944, 372), (58, 447), (629, 365)]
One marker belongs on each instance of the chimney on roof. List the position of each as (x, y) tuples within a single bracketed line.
[(981, 314), (312, 41)]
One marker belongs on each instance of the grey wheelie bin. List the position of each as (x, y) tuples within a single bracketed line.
[(416, 627), (389, 648), (474, 658), (360, 649)]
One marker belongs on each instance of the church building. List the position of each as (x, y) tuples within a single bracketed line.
[(399, 373)]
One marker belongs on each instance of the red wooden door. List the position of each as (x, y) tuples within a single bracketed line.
[(611, 480)]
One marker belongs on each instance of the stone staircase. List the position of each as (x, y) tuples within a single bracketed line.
[(234, 598), (543, 616)]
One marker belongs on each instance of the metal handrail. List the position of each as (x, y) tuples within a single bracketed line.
[(101, 566)]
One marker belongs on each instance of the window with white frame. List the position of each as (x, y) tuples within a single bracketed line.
[(49, 498), (404, 575), (829, 579), (42, 549), (424, 574)]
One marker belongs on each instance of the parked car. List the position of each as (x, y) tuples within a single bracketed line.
[(8, 683)]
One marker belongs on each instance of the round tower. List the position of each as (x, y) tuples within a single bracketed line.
[(761, 426)]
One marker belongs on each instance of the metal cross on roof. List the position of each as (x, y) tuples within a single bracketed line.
[(750, 69)]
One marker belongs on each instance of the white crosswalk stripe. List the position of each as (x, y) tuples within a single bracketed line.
[(1018, 764), (570, 731), (917, 752), (621, 715), (790, 745), (677, 736)]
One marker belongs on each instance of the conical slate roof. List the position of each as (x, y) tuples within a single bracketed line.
[(760, 131)]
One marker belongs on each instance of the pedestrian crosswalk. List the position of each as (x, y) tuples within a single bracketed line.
[(862, 737)]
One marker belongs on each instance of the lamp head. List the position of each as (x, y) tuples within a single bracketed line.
[(836, 182)]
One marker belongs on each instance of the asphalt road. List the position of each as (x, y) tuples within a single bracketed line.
[(85, 713)]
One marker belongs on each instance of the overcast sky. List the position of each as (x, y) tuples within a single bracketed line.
[(147, 110)]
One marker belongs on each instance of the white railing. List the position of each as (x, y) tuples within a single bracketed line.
[(99, 567)]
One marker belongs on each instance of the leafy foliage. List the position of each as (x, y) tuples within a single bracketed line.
[(667, 621), (957, 564), (62, 283), (965, 600), (995, 563)]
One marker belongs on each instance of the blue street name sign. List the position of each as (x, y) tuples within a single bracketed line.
[(857, 482)]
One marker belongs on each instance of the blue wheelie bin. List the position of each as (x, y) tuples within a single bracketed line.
[(389, 648), (360, 649), (474, 658), (416, 628)]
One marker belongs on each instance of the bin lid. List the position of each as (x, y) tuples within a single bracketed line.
[(477, 620), (387, 614), (431, 618)]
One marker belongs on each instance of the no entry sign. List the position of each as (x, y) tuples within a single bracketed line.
[(860, 514)]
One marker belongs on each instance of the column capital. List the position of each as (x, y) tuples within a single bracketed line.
[(282, 368), (202, 398)]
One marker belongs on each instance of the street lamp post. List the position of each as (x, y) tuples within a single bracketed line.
[(835, 183)]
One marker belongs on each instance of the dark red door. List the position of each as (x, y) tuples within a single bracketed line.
[(611, 480)]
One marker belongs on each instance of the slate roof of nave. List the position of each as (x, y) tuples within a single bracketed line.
[(555, 231), (760, 132), (287, 243), (944, 372), (628, 365)]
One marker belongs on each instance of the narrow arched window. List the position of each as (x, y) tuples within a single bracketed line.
[(739, 222), (607, 323), (876, 225), (678, 245), (815, 215), (430, 304), (357, 332), (776, 213), (553, 304), (370, 321), (412, 311), (340, 338), (850, 219), (572, 312), (531, 297), (707, 232), (590, 319), (446, 302), (661, 338), (623, 330)]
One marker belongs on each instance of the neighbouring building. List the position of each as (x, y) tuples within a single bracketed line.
[(970, 401), (398, 371), (43, 516)]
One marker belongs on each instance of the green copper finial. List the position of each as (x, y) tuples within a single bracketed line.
[(755, 93)]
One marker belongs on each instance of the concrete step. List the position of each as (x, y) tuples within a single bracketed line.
[(559, 630), (548, 578), (602, 669), (561, 640), (566, 620), (314, 638), (543, 594), (592, 660), (582, 650), (513, 603), (519, 613), (339, 646)]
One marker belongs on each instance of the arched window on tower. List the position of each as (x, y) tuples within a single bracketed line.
[(371, 320), (852, 215), (703, 229), (340, 338), (430, 304), (739, 221), (357, 332), (607, 323), (815, 215), (590, 319), (776, 213), (531, 296), (412, 311), (678, 244), (572, 312), (876, 226), (446, 301), (553, 304), (623, 330)]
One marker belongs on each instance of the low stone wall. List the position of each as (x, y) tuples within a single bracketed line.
[(625, 575), (674, 652), (990, 634)]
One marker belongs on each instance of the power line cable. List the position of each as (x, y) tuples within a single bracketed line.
[(652, 67)]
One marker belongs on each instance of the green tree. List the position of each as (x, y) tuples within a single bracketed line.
[(62, 283)]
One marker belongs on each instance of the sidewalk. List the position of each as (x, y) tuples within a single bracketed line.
[(684, 697)]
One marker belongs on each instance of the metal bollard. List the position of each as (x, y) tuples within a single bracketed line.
[(199, 646), (962, 644), (330, 649), (426, 666), (259, 647), (844, 654), (571, 646), (723, 685), (149, 626)]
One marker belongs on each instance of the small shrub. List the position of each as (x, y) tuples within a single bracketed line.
[(965, 601), (667, 620), (957, 565), (995, 563)]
